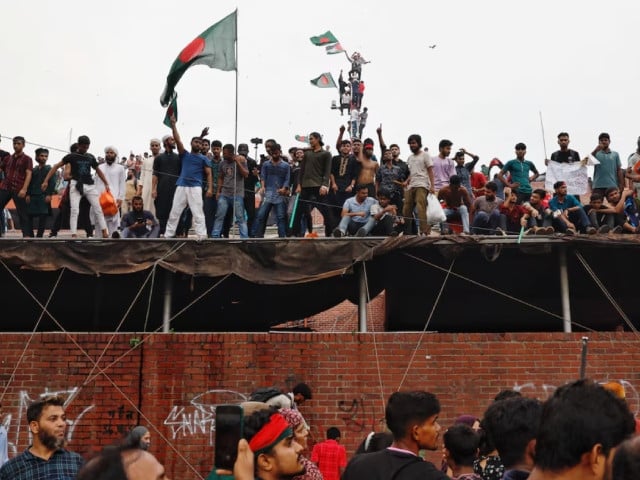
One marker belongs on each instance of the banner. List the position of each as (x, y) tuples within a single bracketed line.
[(574, 174)]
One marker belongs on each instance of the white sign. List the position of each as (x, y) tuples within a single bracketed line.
[(574, 174)]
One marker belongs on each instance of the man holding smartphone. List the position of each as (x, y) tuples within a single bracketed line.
[(138, 223)]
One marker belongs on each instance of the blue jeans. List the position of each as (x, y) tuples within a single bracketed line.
[(237, 203), (349, 226), (484, 223), (461, 211), (263, 212)]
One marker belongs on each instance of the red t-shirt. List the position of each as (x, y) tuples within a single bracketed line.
[(330, 456)]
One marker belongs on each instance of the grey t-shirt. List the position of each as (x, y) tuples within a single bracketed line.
[(232, 179)]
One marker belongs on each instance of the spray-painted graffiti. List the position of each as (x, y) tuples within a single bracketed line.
[(199, 418), (120, 421), (20, 435), (545, 390), (357, 415)]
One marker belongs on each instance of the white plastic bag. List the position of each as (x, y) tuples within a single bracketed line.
[(435, 213)]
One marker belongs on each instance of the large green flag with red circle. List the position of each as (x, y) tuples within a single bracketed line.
[(215, 47)]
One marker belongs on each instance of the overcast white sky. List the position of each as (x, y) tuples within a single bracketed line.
[(99, 68)]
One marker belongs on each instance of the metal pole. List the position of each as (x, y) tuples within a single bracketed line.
[(583, 358), (564, 290), (362, 298), (166, 307)]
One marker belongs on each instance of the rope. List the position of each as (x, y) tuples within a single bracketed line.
[(35, 329), (606, 293), (424, 330)]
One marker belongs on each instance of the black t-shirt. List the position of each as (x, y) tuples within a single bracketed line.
[(250, 180), (81, 165), (568, 156)]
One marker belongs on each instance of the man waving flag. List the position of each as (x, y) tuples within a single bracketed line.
[(215, 47)]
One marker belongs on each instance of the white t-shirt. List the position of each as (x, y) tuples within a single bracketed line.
[(418, 170)]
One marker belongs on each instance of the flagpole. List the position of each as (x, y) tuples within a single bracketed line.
[(235, 133)]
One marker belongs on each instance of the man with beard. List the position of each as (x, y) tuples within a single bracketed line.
[(194, 168), (39, 202), (139, 223), (116, 177), (17, 170), (166, 170), (420, 182), (82, 184), (412, 418), (46, 458), (276, 453), (145, 185)]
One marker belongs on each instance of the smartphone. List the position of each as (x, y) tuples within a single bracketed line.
[(229, 420)]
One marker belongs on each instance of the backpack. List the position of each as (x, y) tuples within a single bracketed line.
[(264, 394)]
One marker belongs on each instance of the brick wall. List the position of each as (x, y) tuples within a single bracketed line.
[(174, 379)]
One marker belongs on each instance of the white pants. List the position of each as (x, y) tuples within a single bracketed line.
[(184, 196), (112, 222), (92, 195)]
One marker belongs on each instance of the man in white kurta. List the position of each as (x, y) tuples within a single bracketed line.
[(116, 176), (145, 184)]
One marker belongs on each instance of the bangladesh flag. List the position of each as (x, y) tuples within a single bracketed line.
[(171, 110), (215, 47), (333, 49), (324, 39), (324, 81), (302, 138)]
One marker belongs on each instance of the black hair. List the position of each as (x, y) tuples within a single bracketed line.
[(626, 462), (493, 186), (578, 416), (276, 146), (541, 193), (253, 423), (610, 190), (604, 135), (18, 139), (333, 433), (455, 180), (462, 443), (136, 197), (41, 150), (229, 146), (196, 138), (74, 148), (84, 140), (393, 145), (512, 424), (304, 390), (360, 186), (445, 143), (202, 139), (383, 192), (521, 146), (562, 134), (405, 409), (374, 442), (34, 410), (558, 184), (595, 197), (415, 137), (107, 465), (216, 143)]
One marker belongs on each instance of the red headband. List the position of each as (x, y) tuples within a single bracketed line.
[(270, 434)]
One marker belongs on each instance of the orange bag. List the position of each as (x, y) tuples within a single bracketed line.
[(108, 204)]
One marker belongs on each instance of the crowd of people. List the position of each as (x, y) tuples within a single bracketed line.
[(583, 430), (211, 187)]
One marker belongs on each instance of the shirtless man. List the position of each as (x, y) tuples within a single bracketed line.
[(368, 167)]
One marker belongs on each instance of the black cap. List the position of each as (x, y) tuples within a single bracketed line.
[(243, 147)]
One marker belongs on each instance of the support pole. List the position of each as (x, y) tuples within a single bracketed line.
[(168, 296), (362, 297), (564, 290), (583, 358)]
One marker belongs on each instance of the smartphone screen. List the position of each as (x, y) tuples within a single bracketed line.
[(228, 434)]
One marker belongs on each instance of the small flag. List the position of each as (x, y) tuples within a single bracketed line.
[(302, 138), (324, 81), (324, 39), (172, 109), (333, 49), (495, 162), (215, 47)]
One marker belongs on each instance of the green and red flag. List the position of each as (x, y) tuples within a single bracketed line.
[(215, 47), (302, 138), (324, 81), (324, 39), (172, 109), (333, 49)]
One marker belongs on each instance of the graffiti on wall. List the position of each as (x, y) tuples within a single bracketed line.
[(18, 432), (199, 416), (358, 414)]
